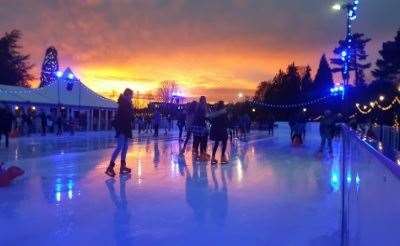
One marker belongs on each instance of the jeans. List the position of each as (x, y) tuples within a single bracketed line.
[(215, 148), (156, 127), (122, 146)]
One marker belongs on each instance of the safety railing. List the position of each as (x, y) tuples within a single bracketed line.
[(370, 192)]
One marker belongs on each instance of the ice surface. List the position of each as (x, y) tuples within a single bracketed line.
[(270, 194)]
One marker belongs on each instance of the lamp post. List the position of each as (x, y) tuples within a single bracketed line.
[(350, 8), (59, 75)]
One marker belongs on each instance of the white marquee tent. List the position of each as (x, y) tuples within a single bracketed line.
[(63, 92), (67, 94)]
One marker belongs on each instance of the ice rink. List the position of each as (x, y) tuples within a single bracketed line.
[(269, 194)]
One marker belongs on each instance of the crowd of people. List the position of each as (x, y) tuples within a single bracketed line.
[(26, 122), (201, 122)]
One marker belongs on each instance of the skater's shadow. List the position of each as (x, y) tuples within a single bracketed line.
[(156, 158), (206, 201), (122, 215)]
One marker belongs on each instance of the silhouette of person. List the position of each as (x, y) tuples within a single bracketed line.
[(197, 191), (156, 159), (219, 197), (122, 216)]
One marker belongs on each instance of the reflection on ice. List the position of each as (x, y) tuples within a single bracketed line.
[(267, 189)]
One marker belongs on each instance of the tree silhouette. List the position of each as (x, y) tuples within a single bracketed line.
[(291, 84), (14, 66), (388, 66), (357, 54), (167, 89), (323, 79), (306, 82), (49, 67), (262, 89)]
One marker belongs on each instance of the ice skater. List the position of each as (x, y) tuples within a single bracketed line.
[(123, 127), (326, 130), (200, 130), (6, 120), (189, 125), (219, 131)]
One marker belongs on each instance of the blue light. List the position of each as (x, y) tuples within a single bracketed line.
[(358, 179), (349, 178), (59, 74), (71, 76), (356, 2), (344, 53), (70, 194), (58, 196), (335, 180)]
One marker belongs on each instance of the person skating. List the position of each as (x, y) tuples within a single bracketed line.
[(326, 130), (156, 122), (181, 124), (219, 132), (43, 123), (200, 130), (6, 119), (123, 127), (189, 125)]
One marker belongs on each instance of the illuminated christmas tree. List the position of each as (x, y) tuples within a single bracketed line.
[(49, 67)]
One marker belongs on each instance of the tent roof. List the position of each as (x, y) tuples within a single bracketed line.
[(69, 92)]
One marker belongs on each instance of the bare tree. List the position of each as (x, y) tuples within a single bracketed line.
[(167, 90)]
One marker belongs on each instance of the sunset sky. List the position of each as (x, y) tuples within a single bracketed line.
[(212, 47)]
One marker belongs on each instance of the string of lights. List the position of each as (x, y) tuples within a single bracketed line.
[(366, 109), (295, 105)]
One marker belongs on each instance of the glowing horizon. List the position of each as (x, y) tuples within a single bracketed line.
[(212, 48)]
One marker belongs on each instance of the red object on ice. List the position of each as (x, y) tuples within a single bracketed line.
[(4, 180), (297, 141), (14, 172), (11, 173)]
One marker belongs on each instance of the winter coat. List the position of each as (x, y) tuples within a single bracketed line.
[(124, 117), (199, 126), (219, 127), (327, 126), (6, 119)]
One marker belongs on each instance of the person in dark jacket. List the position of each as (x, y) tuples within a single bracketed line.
[(156, 123), (326, 130), (190, 113), (43, 122), (219, 131), (6, 119), (200, 130), (181, 124), (123, 127)]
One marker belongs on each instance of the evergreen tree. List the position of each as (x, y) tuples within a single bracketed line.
[(14, 66), (323, 81), (291, 86), (262, 89), (306, 81), (357, 54), (49, 67), (388, 66), (273, 94)]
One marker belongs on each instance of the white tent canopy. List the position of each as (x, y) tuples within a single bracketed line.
[(67, 91)]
